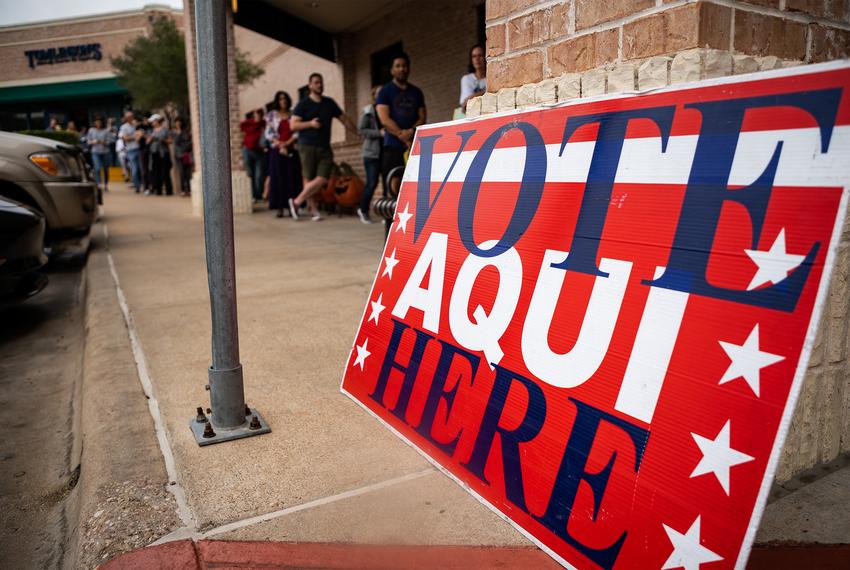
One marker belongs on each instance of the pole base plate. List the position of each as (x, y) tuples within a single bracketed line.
[(222, 435)]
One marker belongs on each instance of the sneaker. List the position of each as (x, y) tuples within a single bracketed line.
[(317, 217), (364, 217), (147, 192), (292, 209)]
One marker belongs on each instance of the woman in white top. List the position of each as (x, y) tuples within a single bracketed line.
[(474, 83)]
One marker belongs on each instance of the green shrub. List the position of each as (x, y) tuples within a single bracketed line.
[(61, 136)]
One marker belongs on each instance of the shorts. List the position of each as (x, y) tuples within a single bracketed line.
[(315, 161), (391, 157)]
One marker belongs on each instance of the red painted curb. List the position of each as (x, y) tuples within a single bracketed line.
[(178, 555), (221, 554)]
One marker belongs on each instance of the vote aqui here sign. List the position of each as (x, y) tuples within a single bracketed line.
[(597, 316)]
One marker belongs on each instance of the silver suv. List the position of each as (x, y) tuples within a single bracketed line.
[(51, 177)]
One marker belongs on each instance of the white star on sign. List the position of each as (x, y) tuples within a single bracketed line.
[(390, 262), (747, 360), (377, 307), (718, 456), (402, 218), (688, 553), (775, 264), (362, 355)]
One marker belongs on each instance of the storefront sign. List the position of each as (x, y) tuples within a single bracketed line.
[(63, 54), (597, 317)]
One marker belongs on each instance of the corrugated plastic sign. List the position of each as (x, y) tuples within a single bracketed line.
[(597, 317)]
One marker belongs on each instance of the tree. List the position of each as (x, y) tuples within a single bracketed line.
[(153, 68), (246, 71)]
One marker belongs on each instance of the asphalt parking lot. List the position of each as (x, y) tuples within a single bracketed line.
[(41, 355)]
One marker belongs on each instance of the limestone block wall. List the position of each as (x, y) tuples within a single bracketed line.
[(548, 52)]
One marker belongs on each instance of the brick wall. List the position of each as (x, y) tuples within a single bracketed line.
[(544, 52), (529, 41), (233, 96)]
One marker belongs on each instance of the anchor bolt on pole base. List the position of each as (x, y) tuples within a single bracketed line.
[(206, 435)]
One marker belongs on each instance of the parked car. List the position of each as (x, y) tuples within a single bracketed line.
[(50, 177), (21, 251)]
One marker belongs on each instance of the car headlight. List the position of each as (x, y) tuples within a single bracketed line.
[(51, 163)]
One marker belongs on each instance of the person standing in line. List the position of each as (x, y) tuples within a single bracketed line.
[(84, 144), (252, 127), (182, 138), (142, 132), (370, 129), (98, 140), (474, 83), (121, 151), (401, 108), (311, 119), (284, 166), (264, 154), (113, 152), (128, 134), (160, 156)]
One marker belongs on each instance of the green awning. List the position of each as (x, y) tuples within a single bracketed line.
[(68, 90)]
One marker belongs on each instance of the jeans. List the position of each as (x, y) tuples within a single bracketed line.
[(373, 172), (101, 162), (255, 165), (134, 157)]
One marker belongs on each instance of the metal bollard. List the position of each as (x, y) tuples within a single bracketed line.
[(227, 395)]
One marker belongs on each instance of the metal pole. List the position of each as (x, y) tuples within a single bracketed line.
[(227, 397)]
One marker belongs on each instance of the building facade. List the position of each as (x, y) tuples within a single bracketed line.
[(539, 52), (61, 69)]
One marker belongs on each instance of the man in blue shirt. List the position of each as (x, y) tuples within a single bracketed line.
[(401, 108), (311, 119)]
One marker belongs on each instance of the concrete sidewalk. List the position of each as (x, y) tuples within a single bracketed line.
[(328, 472), (301, 291)]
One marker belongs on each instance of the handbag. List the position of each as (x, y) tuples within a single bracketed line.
[(186, 159)]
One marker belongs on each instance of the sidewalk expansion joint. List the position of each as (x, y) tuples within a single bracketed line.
[(174, 487), (251, 521)]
